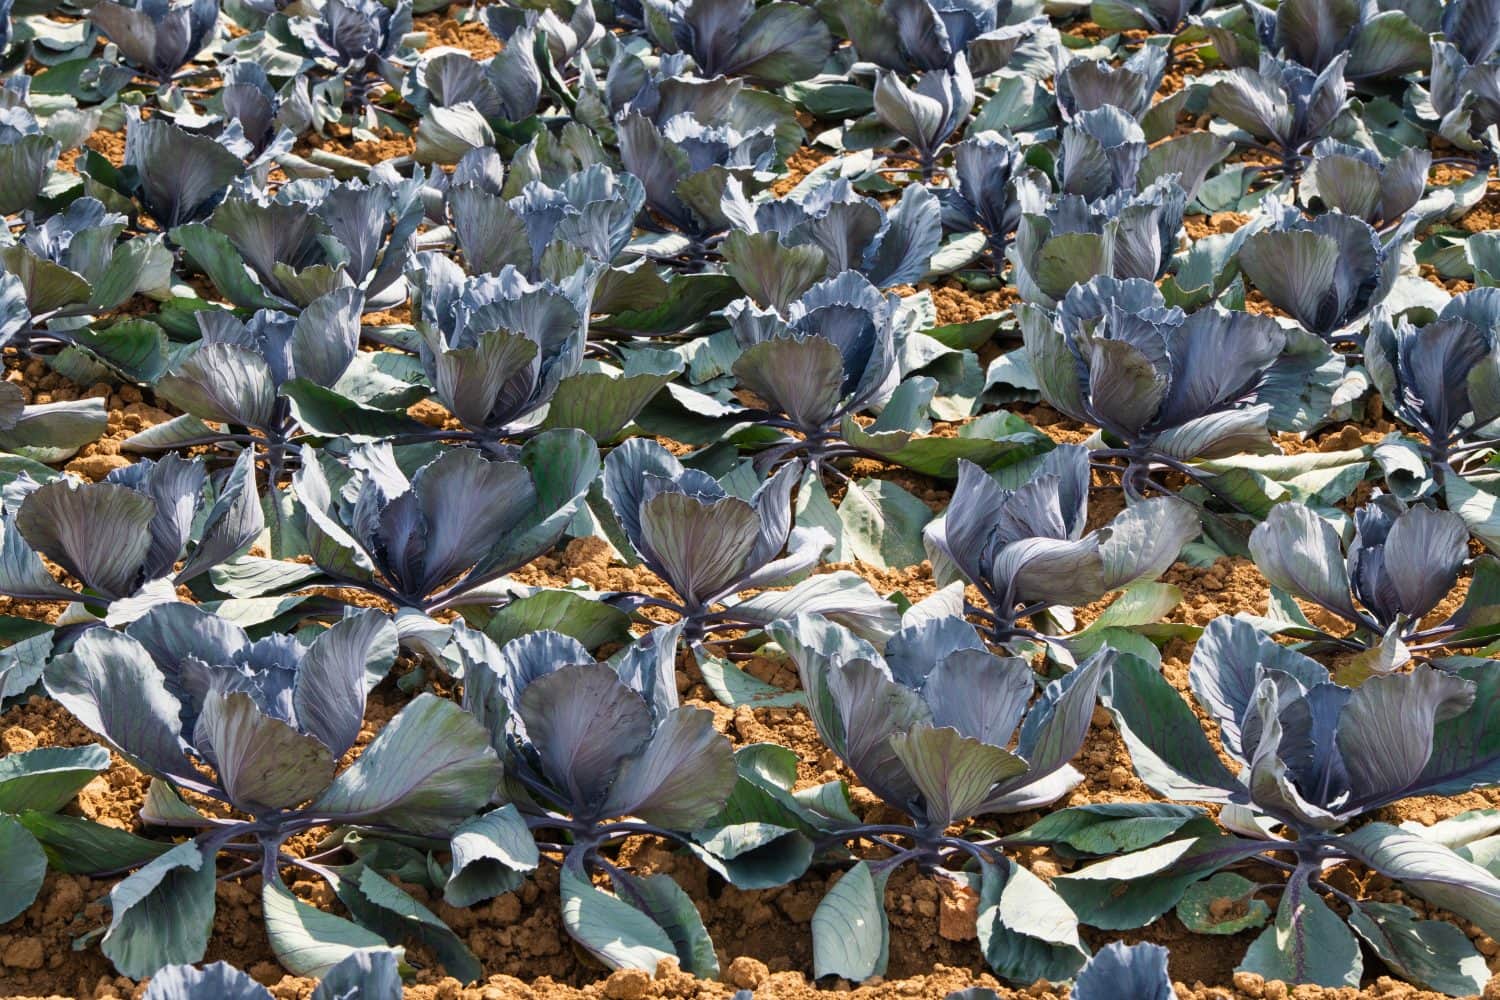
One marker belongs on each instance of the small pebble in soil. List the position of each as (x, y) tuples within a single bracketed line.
[(23, 953), (627, 984), (18, 740), (746, 973)]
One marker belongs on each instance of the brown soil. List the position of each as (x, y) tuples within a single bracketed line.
[(110, 144), (389, 146), (801, 163), (1484, 216), (1199, 226), (956, 304), (473, 36)]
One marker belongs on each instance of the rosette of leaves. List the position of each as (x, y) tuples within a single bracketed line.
[(1281, 106), (175, 175), (780, 247), (1166, 387), (567, 27), (1376, 41), (942, 730), (909, 36), (1026, 549), (1101, 151), (126, 535), (1065, 240), (1327, 272), (1105, 150), (981, 192), (470, 101), (774, 43), (926, 114), (1313, 756), (1362, 183), (1461, 101), (266, 124), (460, 521), (593, 753), (157, 37), (1160, 17), (309, 238), (829, 353), (245, 374), (27, 156), (1087, 84), (1442, 379), (74, 264), (1400, 564), (685, 165), (496, 346), (592, 211), (358, 40), (259, 727), (709, 545)]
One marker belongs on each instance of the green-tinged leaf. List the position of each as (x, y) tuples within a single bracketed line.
[(175, 433), (45, 779), (1432, 871), (689, 299), (851, 937), (306, 940), (163, 914), (882, 524), (381, 906), (53, 432), (1167, 745), (430, 769), (1026, 930), (23, 871), (593, 623), (618, 934), (1134, 889), (1112, 827), (324, 412), (491, 855), (754, 855), (80, 846), (602, 405), (673, 911), (264, 763), (1479, 508), (734, 687), (1308, 943), (212, 251), (990, 440), (134, 348), (164, 806), (1223, 904), (255, 576), (1430, 953)]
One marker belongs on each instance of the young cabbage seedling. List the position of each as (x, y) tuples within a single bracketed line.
[(1313, 757), (1026, 549), (942, 730), (257, 728), (592, 753)]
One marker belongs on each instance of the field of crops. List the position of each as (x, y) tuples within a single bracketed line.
[(661, 499)]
